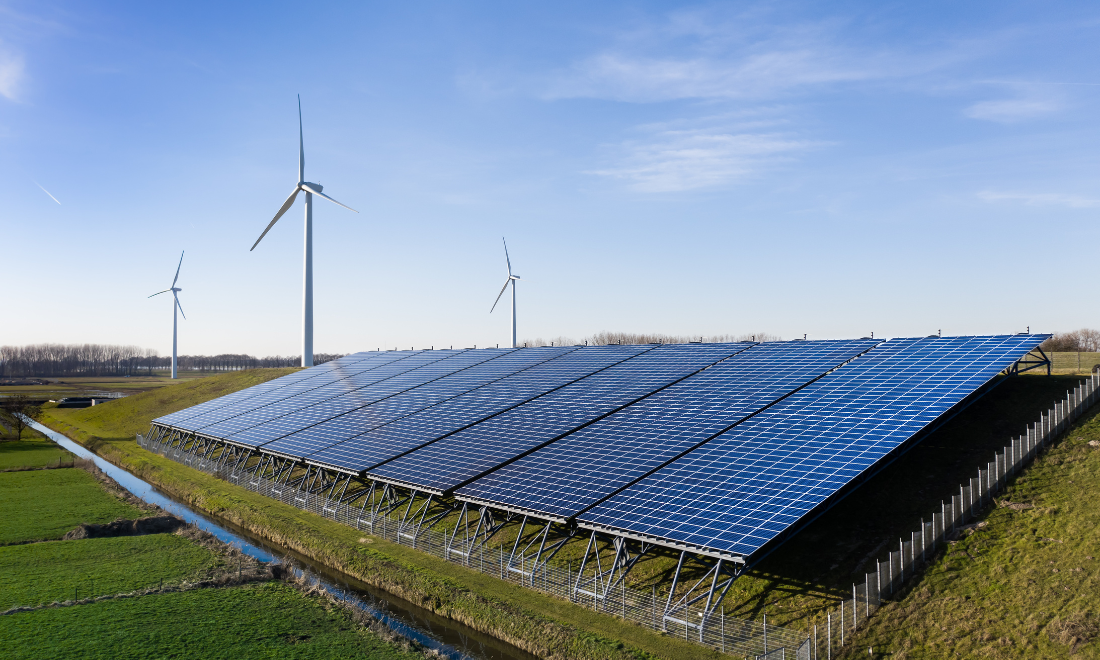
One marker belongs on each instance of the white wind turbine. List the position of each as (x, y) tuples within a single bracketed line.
[(176, 305), (310, 189), (511, 280)]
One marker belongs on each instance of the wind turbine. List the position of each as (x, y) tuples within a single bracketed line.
[(310, 189), (176, 305), (511, 280)]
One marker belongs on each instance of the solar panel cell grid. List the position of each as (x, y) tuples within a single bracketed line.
[(360, 389), (293, 390), (450, 462), (305, 441), (739, 491), (369, 449), (575, 472), (255, 390), (307, 413)]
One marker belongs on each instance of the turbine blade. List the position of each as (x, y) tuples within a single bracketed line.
[(160, 292), (180, 306), (500, 294), (506, 258), (178, 269), (282, 210), (301, 145), (320, 194)]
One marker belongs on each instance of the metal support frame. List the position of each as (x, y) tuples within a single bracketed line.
[(541, 556), (606, 579), (719, 576), (487, 527), (1029, 362)]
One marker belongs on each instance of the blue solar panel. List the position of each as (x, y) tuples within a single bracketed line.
[(564, 478), (319, 379), (307, 413), (262, 388), (324, 434), (452, 461), (359, 389), (391, 440), (741, 490)]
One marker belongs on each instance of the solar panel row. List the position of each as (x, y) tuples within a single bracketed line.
[(720, 447)]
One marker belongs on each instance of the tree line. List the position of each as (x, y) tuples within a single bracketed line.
[(1084, 340), (72, 360), (604, 338)]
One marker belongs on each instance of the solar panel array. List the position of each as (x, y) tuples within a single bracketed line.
[(719, 447), (744, 488)]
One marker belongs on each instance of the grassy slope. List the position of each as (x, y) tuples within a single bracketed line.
[(39, 573), (267, 620), (541, 624), (28, 452), (44, 504), (1027, 585)]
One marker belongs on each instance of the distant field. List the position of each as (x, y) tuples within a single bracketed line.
[(31, 452), (266, 620), (1074, 363), (40, 573), (78, 385), (41, 505), (122, 419)]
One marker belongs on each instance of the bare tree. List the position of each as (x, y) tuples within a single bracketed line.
[(605, 338), (19, 408)]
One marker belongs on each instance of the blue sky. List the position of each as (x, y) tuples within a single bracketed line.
[(792, 167)]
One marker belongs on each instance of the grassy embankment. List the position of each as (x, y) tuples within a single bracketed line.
[(82, 385), (540, 624), (1024, 585), (105, 597), (795, 585)]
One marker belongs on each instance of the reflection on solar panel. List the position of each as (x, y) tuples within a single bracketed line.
[(568, 476), (279, 419), (262, 388), (294, 389), (309, 439), (750, 485), (384, 443), (463, 456)]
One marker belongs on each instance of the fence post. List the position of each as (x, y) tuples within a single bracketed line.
[(829, 636)]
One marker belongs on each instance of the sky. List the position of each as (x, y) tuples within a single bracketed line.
[(827, 169)]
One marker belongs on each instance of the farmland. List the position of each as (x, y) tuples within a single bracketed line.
[(155, 595)]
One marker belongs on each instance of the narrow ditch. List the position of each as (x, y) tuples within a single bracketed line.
[(447, 637)]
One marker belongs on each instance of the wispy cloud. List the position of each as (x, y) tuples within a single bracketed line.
[(1042, 199), (675, 160), (11, 73), (1010, 111)]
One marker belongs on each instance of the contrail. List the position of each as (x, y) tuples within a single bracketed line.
[(46, 191)]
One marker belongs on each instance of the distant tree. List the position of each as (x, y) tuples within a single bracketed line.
[(1085, 340), (19, 407)]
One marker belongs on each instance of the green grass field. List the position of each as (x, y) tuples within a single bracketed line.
[(267, 620), (40, 573), (1026, 585), (31, 452), (40, 505)]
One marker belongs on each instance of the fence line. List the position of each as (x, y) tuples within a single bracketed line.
[(719, 631), (973, 497)]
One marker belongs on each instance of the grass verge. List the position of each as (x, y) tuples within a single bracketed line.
[(38, 573), (40, 505), (269, 620), (1023, 585)]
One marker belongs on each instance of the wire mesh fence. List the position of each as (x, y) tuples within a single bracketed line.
[(728, 634), (974, 496), (1076, 362)]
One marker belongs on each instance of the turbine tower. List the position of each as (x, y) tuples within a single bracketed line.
[(310, 189), (511, 280), (176, 305)]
